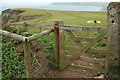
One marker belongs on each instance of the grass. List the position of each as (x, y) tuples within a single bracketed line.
[(69, 17), (78, 18)]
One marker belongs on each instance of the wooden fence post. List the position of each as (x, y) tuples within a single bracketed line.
[(40, 29), (113, 54), (58, 41), (27, 57), (25, 25)]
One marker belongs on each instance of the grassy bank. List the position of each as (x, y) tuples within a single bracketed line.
[(69, 17)]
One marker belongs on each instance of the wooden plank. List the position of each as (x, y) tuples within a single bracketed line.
[(87, 68), (56, 33), (79, 39), (35, 25), (76, 43), (15, 36), (41, 25), (70, 47), (76, 50), (84, 28), (62, 64), (57, 24), (92, 60), (27, 57), (98, 62), (82, 39), (70, 50), (93, 50), (16, 24), (97, 39), (35, 36)]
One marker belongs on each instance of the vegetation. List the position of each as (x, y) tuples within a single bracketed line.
[(48, 43), (69, 17), (13, 67)]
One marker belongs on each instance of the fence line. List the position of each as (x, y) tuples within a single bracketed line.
[(80, 28), (35, 36), (15, 36), (36, 25), (27, 39), (84, 28)]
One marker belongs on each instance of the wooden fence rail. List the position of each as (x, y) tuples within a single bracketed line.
[(15, 36), (84, 28), (26, 40), (35, 36), (36, 25)]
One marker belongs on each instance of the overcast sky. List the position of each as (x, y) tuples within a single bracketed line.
[(12, 3), (49, 1), (42, 2)]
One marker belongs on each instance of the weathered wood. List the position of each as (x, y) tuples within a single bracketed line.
[(35, 36), (76, 43), (25, 25), (79, 39), (113, 55), (87, 59), (27, 57), (57, 24), (93, 50), (70, 47), (92, 43), (41, 25), (15, 36), (61, 50), (35, 25), (16, 24), (84, 28), (82, 39), (92, 60), (87, 68)]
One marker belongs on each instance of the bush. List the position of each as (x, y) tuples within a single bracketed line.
[(12, 67)]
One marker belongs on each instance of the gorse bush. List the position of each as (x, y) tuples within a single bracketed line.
[(12, 67)]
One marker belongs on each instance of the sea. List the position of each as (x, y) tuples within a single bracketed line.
[(55, 7)]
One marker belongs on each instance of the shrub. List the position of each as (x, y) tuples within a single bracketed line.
[(12, 67)]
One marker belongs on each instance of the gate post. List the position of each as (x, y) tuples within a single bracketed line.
[(27, 57), (59, 42), (113, 54)]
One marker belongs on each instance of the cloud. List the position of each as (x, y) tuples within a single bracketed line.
[(49, 1)]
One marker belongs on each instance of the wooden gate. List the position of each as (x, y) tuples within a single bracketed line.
[(69, 46)]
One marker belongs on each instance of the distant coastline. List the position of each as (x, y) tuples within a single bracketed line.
[(66, 6), (103, 5)]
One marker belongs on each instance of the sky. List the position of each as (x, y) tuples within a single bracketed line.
[(14, 3), (49, 1), (42, 2)]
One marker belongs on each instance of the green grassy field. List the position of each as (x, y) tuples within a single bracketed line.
[(78, 18)]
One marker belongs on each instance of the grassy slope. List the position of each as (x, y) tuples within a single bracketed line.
[(69, 17)]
